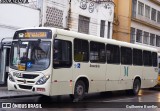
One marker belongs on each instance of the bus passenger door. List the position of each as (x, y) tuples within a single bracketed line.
[(62, 67)]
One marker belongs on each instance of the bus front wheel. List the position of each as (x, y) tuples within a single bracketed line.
[(79, 91)]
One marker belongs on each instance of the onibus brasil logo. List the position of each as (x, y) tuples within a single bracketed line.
[(14, 1)]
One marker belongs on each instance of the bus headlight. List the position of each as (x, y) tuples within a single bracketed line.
[(42, 80), (11, 78)]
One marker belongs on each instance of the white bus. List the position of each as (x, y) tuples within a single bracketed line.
[(5, 45), (60, 62)]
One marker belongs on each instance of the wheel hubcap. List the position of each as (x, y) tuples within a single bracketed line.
[(136, 87), (80, 90)]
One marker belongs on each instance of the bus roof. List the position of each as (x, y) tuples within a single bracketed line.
[(74, 34)]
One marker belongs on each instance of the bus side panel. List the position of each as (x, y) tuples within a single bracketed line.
[(149, 77), (61, 81), (126, 77), (128, 74), (137, 71), (95, 73), (97, 76), (112, 77), (81, 70)]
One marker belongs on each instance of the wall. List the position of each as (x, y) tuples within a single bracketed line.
[(146, 24), (96, 12), (13, 17), (54, 13), (65, 14), (122, 20)]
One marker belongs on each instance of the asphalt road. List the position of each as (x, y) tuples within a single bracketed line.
[(147, 100)]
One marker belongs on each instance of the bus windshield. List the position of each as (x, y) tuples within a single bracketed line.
[(30, 55)]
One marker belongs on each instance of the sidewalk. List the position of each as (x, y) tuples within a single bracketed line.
[(4, 93)]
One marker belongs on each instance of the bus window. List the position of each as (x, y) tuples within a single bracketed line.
[(154, 59), (113, 54), (147, 58), (137, 57), (81, 50), (126, 56), (62, 54), (97, 52)]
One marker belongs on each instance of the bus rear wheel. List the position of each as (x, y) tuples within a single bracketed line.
[(136, 86), (79, 91)]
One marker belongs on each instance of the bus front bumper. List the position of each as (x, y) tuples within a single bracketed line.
[(37, 89)]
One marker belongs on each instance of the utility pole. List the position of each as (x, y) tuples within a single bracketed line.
[(69, 16), (43, 12)]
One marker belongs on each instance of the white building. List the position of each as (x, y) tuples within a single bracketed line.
[(145, 24), (13, 17), (93, 17)]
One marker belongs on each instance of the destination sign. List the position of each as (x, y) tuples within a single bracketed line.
[(33, 33)]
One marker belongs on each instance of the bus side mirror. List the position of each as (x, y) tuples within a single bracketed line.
[(2, 44), (7, 43)]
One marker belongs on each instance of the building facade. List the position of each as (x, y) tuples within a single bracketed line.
[(122, 20), (14, 16), (94, 17), (138, 21)]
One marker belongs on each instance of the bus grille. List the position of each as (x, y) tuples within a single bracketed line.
[(25, 87), (29, 76), (23, 81)]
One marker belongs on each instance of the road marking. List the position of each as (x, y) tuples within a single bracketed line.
[(118, 100)]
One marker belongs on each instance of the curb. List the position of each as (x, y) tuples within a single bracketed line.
[(19, 96)]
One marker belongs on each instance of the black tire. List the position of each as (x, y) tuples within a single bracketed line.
[(79, 91), (136, 86)]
